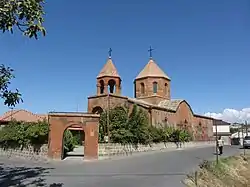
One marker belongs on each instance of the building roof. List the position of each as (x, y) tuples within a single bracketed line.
[(171, 104), (109, 70), (152, 70), (22, 115)]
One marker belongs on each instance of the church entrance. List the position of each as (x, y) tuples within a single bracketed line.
[(81, 125)]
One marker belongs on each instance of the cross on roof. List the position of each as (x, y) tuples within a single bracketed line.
[(150, 51), (110, 52)]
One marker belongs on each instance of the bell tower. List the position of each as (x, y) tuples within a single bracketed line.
[(108, 80)]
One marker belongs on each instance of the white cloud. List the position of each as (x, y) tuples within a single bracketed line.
[(232, 115)]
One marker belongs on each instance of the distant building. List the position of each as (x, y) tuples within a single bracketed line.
[(20, 115), (223, 130)]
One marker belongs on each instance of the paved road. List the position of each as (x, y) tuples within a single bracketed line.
[(162, 169)]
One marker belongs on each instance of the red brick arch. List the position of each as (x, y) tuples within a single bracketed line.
[(59, 122)]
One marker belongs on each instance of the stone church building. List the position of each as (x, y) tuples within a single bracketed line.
[(152, 92)]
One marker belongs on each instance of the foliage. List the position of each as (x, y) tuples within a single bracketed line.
[(138, 126), (229, 171), (184, 136), (68, 141), (78, 137), (156, 134), (22, 133), (134, 128), (11, 98), (25, 15), (234, 130), (102, 126), (119, 131)]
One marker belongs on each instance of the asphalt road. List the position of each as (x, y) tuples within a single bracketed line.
[(159, 169)]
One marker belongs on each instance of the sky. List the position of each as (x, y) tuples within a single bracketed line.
[(203, 46)]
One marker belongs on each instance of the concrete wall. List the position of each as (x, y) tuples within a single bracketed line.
[(222, 129)]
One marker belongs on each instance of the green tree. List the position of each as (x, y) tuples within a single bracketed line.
[(11, 98), (138, 125), (119, 131), (25, 15), (68, 141)]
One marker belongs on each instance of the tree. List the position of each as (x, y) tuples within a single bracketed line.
[(119, 132), (11, 98), (139, 126), (25, 15)]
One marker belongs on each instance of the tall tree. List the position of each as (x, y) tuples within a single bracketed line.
[(25, 16)]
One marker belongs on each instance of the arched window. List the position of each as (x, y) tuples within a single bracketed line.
[(142, 88), (111, 85), (155, 87), (166, 89), (101, 86)]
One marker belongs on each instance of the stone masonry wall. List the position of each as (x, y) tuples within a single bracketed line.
[(111, 150), (30, 152)]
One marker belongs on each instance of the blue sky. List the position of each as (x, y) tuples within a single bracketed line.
[(202, 45)]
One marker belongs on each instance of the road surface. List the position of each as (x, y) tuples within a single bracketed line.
[(159, 169)]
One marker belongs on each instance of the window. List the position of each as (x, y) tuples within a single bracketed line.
[(112, 86), (247, 137), (142, 88), (166, 89), (101, 86), (155, 87)]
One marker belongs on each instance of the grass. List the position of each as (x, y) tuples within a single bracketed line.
[(229, 172)]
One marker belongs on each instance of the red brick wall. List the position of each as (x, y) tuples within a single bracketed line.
[(102, 101), (148, 83), (183, 113)]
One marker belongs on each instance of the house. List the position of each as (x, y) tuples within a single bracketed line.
[(21, 115), (223, 130)]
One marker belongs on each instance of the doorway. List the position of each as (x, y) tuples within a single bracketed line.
[(73, 143)]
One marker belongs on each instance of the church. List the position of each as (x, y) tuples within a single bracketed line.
[(152, 92)]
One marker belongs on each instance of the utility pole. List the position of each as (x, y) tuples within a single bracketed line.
[(216, 134), (242, 132), (108, 108), (239, 133), (246, 128)]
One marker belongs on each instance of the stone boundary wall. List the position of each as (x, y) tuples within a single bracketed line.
[(30, 152), (111, 150)]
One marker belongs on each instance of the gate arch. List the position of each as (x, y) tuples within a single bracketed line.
[(59, 122)]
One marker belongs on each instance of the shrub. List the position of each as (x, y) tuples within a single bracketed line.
[(68, 141), (17, 134)]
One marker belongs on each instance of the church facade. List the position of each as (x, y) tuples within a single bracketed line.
[(152, 92)]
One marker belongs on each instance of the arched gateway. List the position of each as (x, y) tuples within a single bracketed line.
[(60, 121)]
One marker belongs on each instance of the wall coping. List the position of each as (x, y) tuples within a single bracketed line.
[(74, 114)]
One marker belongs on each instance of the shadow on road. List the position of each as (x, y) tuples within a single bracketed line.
[(24, 176)]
